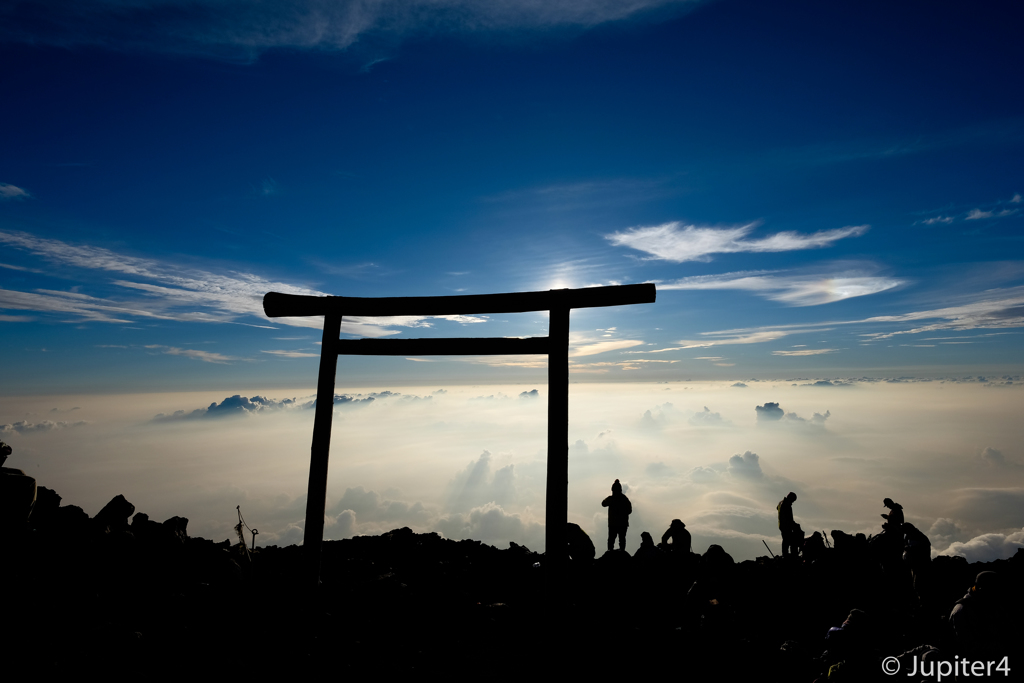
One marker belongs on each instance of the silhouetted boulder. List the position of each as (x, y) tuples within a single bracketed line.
[(71, 519), (114, 515), (44, 513), (176, 526), (17, 495)]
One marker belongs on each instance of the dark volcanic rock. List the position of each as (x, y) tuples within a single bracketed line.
[(131, 601), (114, 515)]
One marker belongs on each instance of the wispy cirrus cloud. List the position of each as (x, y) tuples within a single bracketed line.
[(592, 349), (978, 214), (293, 354), (994, 309), (1002, 309), (998, 209), (238, 29), (803, 352), (728, 338), (166, 291), (793, 290), (678, 242), (195, 354), (12, 192)]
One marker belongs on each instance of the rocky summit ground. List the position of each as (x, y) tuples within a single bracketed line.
[(122, 595)]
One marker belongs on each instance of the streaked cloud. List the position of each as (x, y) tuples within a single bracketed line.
[(9, 192), (977, 213), (237, 29), (293, 354), (1000, 310), (678, 243), (602, 347), (803, 352), (1004, 309), (725, 339), (205, 356), (21, 268), (175, 292), (793, 290)]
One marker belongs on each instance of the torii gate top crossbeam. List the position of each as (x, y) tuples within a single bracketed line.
[(282, 305)]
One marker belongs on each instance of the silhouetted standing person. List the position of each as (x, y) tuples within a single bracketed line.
[(619, 509), (791, 536)]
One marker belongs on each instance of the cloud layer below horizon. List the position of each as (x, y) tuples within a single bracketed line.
[(469, 462)]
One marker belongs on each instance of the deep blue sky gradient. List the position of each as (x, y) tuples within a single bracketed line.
[(508, 157)]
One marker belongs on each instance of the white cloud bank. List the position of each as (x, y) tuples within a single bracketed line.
[(987, 547)]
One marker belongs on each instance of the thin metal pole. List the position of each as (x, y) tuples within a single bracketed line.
[(316, 493), (556, 511)]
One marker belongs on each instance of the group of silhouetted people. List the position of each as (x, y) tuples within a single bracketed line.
[(675, 538), (898, 540), (978, 627)]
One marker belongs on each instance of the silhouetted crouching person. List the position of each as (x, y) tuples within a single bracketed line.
[(647, 552), (814, 547), (849, 653), (679, 536), (888, 545), (619, 509), (710, 596), (792, 537), (917, 556), (980, 622), (581, 548), (894, 520)]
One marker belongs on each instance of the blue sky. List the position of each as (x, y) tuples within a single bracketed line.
[(783, 171), (819, 190)]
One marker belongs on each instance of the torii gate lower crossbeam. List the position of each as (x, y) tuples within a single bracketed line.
[(558, 302)]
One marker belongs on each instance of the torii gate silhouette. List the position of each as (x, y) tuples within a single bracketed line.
[(558, 302)]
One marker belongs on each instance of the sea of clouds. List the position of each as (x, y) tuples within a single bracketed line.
[(469, 462)]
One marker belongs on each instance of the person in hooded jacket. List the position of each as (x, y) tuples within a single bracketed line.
[(619, 509)]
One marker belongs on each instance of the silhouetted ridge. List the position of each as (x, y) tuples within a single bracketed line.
[(121, 594)]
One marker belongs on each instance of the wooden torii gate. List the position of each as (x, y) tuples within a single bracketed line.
[(556, 345)]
